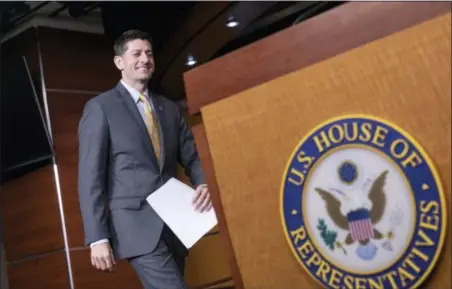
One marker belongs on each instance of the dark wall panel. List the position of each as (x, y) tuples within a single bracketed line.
[(30, 216), (47, 271), (77, 61), (66, 110)]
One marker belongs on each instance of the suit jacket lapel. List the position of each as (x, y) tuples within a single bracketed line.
[(132, 109)]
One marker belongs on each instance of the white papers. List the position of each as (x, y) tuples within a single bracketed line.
[(173, 203)]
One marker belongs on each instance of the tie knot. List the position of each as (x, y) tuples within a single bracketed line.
[(143, 98)]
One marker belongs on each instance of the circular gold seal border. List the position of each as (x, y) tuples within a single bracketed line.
[(425, 156)]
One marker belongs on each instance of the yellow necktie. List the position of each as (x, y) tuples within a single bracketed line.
[(152, 126)]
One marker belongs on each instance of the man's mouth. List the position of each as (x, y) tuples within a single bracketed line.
[(143, 69)]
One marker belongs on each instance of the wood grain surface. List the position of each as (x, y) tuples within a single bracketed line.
[(76, 66), (66, 111), (404, 78), (77, 61), (30, 216), (331, 33), (204, 154), (47, 271), (206, 264)]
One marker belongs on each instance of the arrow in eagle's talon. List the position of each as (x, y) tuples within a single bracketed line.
[(339, 245)]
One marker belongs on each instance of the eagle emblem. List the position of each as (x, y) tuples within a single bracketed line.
[(357, 209), (359, 223)]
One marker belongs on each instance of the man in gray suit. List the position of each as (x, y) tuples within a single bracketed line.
[(130, 143)]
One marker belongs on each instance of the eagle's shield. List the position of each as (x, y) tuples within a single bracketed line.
[(360, 225)]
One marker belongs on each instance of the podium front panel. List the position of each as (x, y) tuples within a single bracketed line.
[(403, 79)]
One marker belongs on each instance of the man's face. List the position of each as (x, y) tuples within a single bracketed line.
[(137, 62)]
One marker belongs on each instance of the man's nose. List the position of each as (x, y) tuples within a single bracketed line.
[(145, 58)]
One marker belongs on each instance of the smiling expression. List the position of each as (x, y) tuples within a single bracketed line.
[(137, 62)]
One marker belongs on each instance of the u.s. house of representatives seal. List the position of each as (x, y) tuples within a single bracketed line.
[(362, 206)]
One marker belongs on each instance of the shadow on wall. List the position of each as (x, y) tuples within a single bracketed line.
[(3, 275)]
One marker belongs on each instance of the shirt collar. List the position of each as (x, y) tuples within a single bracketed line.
[(135, 93)]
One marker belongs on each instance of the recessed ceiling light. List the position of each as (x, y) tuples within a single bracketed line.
[(232, 22), (191, 61)]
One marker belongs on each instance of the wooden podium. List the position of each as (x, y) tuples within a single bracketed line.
[(389, 60)]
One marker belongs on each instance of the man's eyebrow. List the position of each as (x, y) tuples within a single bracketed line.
[(138, 49)]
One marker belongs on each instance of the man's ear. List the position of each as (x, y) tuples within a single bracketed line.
[(118, 62)]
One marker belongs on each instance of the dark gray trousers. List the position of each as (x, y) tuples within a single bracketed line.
[(161, 269)]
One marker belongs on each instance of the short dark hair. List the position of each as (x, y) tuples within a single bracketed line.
[(120, 45)]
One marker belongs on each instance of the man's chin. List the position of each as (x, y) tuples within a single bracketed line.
[(144, 77)]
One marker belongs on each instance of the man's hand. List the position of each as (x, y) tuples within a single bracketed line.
[(201, 200), (102, 257)]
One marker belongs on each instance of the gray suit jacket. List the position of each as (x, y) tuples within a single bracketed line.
[(118, 169)]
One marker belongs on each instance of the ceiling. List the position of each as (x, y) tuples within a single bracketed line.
[(13, 14), (181, 31)]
